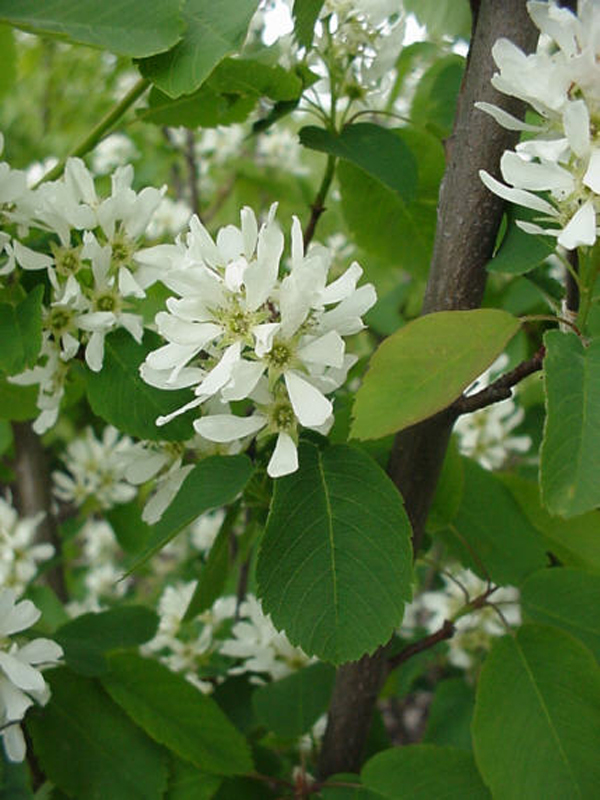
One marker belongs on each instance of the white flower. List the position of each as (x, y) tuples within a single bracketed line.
[(21, 682), (19, 552), (115, 151)]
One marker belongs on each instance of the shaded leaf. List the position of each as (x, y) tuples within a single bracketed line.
[(17, 402), (334, 568), (187, 782), (434, 102), (176, 714), (425, 366), (450, 714), (305, 14), (115, 25), (21, 332), (570, 455), (537, 717), (520, 252), (205, 108), (8, 60)]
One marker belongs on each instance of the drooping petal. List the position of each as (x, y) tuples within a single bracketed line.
[(343, 286), (163, 420), (14, 743), (23, 675), (581, 228), (227, 427), (30, 259), (220, 375), (536, 177), (505, 119), (94, 352), (310, 406), (592, 175), (327, 350), (285, 457), (40, 651), (244, 377), (179, 331), (346, 318), (518, 196), (15, 617)]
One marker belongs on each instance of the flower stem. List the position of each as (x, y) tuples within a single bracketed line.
[(100, 130), (317, 208)]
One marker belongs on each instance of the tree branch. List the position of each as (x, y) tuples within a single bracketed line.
[(468, 220), (445, 632), (317, 208)]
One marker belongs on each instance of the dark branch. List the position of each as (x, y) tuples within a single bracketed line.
[(445, 632), (500, 389), (318, 207)]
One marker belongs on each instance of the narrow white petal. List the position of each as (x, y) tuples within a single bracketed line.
[(530, 227), (261, 275), (228, 427), (518, 196), (505, 119), (285, 457), (170, 355), (94, 352), (166, 492), (592, 175), (310, 406), (18, 617), (183, 332), (14, 743), (145, 467), (581, 228), (535, 177), (249, 231), (201, 245), (263, 337), (128, 286), (163, 420), (343, 286), (22, 675), (576, 120), (40, 651), (30, 259), (230, 243), (220, 375)]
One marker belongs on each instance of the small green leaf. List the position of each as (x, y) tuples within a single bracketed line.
[(537, 717), (119, 395), (176, 714), (520, 252), (567, 598), (450, 714), (570, 455), (115, 25), (335, 567), (490, 534), (305, 14), (425, 366), (21, 332), (290, 706), (89, 637), (205, 108), (187, 782), (213, 31), (18, 402), (214, 482), (424, 771), (248, 77), (90, 748), (378, 151)]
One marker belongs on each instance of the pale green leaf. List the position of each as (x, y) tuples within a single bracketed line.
[(205, 108), (424, 771), (176, 714), (213, 31), (90, 748), (335, 566), (120, 26), (8, 60), (570, 456), (425, 366), (536, 729), (567, 598)]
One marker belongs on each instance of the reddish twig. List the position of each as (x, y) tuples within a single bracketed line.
[(445, 632)]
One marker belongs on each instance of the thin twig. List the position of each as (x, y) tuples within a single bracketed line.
[(445, 632), (501, 388), (317, 208), (190, 158)]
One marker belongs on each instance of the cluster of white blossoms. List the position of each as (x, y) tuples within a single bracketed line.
[(239, 331), (486, 434), (20, 554), (475, 631), (21, 682), (561, 156), (88, 253)]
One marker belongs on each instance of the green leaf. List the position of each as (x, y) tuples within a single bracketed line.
[(434, 103), (379, 219), (335, 566), (575, 541), (214, 482), (442, 17), (15, 783), (248, 77), (450, 714), (425, 366), (537, 717), (290, 706), (520, 252), (21, 332), (351, 791), (378, 151), (18, 402), (213, 575), (90, 748), (449, 490), (131, 531), (567, 598), (119, 395), (570, 455), (490, 534), (306, 13), (213, 31), (205, 108), (176, 714), (115, 25), (187, 782), (89, 637), (424, 771), (8, 59)]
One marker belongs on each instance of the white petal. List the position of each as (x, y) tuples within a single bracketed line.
[(346, 317), (182, 332), (201, 245), (230, 243), (505, 119), (220, 375), (161, 499), (40, 651), (343, 286), (128, 285), (576, 120), (534, 176), (310, 406), (263, 336), (327, 350), (537, 230), (228, 427), (244, 377), (518, 196), (249, 231), (15, 617), (22, 675), (261, 275), (592, 175), (14, 743), (285, 457), (145, 467), (30, 259), (170, 355), (581, 228), (94, 352), (163, 420)]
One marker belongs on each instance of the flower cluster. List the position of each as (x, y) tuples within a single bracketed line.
[(21, 682), (20, 555), (562, 158), (237, 331), (87, 246)]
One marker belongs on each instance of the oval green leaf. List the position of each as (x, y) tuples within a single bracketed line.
[(21, 332), (570, 455), (567, 598), (536, 728), (335, 565), (425, 366), (176, 714), (424, 771)]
